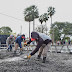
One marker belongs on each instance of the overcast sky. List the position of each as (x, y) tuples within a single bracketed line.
[(11, 13)]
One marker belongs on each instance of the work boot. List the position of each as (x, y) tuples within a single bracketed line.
[(44, 59), (38, 56), (21, 52), (8, 50), (14, 52)]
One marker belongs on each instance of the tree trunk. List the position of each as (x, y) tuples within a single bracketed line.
[(42, 28), (46, 28), (29, 30), (52, 32), (51, 20), (33, 25), (53, 35)]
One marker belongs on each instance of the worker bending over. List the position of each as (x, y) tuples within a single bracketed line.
[(43, 44), (18, 41), (10, 40)]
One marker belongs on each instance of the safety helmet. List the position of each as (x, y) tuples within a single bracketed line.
[(11, 36)]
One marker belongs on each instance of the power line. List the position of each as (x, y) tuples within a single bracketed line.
[(11, 17)]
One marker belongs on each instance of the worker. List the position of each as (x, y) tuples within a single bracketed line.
[(18, 41), (10, 40), (43, 44)]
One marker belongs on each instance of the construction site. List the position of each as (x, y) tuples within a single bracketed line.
[(35, 36), (55, 62)]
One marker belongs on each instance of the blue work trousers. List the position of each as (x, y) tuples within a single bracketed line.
[(10, 47)]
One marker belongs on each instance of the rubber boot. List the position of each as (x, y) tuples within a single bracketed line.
[(44, 59), (38, 57)]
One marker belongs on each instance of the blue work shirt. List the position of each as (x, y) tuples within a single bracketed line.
[(19, 40)]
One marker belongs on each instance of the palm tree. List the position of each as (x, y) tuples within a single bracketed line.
[(35, 14), (51, 11), (28, 17), (41, 20), (45, 18)]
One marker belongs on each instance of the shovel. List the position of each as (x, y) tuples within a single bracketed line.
[(25, 57)]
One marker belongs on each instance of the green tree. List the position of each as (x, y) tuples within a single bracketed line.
[(35, 14), (45, 18), (28, 17), (30, 14), (61, 28), (51, 12), (5, 30), (41, 19), (57, 34)]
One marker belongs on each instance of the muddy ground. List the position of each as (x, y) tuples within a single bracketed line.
[(56, 62)]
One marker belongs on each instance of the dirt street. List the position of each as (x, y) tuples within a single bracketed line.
[(56, 62)]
